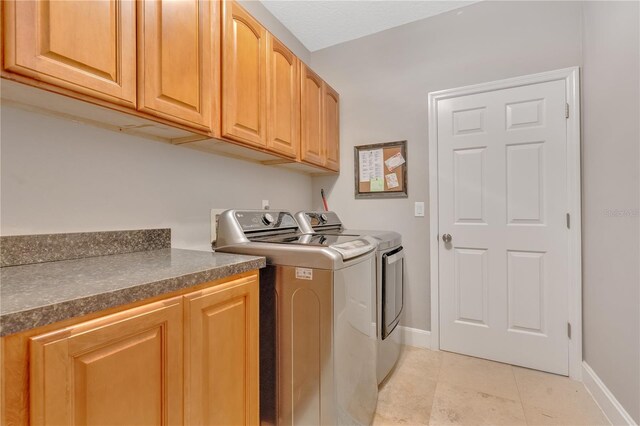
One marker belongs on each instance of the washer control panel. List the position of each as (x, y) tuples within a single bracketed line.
[(256, 220)]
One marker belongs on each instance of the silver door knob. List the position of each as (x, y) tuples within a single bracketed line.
[(446, 238)]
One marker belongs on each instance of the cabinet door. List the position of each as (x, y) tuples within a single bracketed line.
[(85, 46), (221, 354), (312, 139), (178, 48), (283, 116), (244, 79), (331, 128), (122, 369)]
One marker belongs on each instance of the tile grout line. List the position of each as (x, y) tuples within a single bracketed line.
[(435, 391), (519, 394)]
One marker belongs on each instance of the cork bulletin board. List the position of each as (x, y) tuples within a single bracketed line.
[(381, 170)]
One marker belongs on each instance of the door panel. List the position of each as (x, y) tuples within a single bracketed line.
[(85, 46), (222, 355), (503, 198), (244, 76), (471, 285), (525, 114), (331, 128), (178, 41), (284, 100), (469, 185), (525, 285), (525, 189), (312, 142), (122, 369)]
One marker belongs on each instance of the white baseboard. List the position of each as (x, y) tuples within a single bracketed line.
[(608, 403), (416, 337)]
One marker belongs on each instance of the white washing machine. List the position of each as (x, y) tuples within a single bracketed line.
[(389, 281)]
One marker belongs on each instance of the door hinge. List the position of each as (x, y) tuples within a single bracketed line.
[(569, 330), (568, 221), (566, 110)]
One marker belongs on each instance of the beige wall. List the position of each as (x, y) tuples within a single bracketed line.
[(384, 79), (62, 176), (611, 197)]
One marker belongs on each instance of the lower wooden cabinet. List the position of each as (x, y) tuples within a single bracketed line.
[(221, 355), (188, 359), (122, 369)]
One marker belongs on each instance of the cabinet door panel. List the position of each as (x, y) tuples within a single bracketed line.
[(283, 118), (121, 369), (178, 41), (312, 139), (331, 128), (244, 79), (85, 46), (221, 354)]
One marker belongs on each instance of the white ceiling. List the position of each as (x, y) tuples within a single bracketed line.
[(321, 23)]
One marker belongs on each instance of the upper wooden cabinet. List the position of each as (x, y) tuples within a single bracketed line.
[(312, 138), (331, 127), (244, 76), (283, 116), (203, 69), (221, 354), (320, 123), (124, 368), (85, 46), (178, 54)]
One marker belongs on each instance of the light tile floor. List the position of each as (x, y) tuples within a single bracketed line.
[(443, 388)]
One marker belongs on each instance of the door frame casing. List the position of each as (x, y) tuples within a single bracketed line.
[(571, 77)]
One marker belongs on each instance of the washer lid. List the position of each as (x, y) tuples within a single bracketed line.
[(348, 246)]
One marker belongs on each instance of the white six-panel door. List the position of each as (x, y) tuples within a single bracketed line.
[(502, 189)]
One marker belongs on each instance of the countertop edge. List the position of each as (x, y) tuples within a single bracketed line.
[(21, 321)]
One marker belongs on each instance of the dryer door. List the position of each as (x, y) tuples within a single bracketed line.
[(392, 289)]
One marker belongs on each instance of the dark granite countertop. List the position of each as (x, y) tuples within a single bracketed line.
[(39, 294)]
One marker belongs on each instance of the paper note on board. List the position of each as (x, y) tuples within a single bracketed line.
[(376, 185), (392, 180), (365, 165), (370, 165), (394, 161), (377, 166)]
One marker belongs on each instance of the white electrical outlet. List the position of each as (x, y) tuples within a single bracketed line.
[(214, 222), (419, 209), (265, 204)]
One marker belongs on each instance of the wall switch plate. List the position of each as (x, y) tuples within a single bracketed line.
[(214, 222), (419, 209), (265, 204)]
